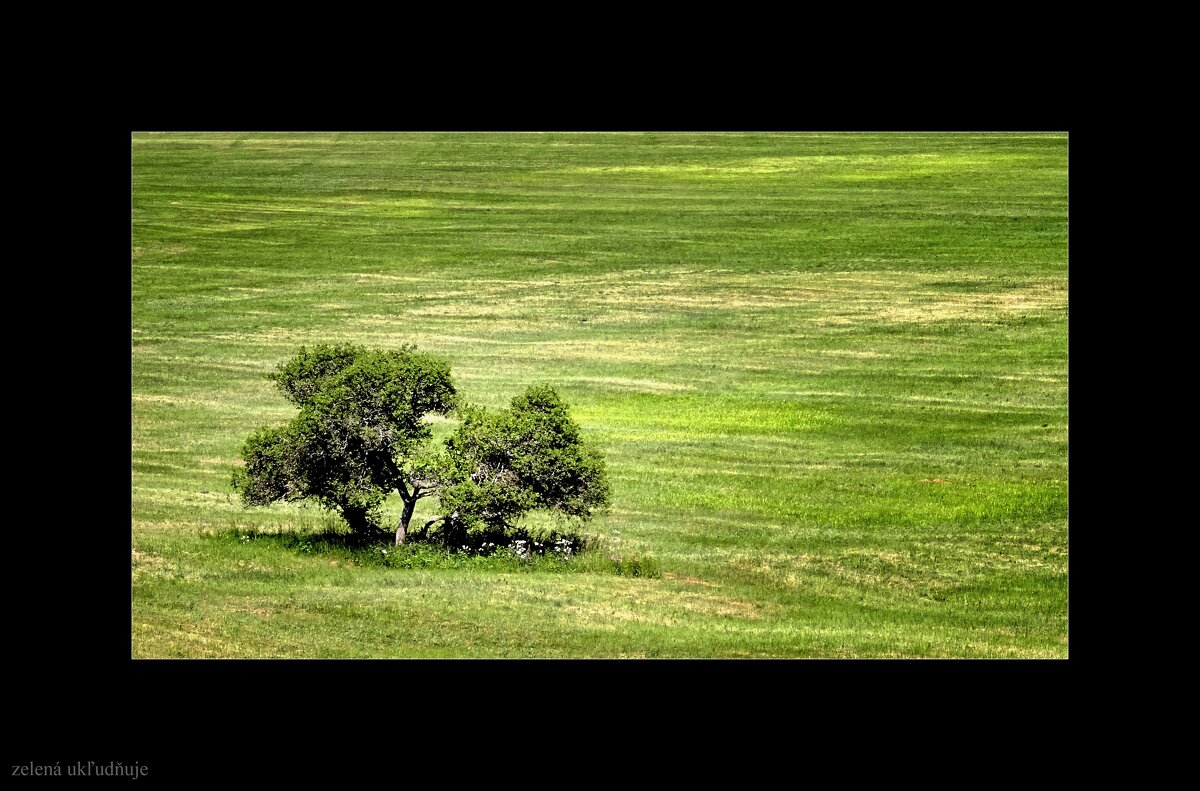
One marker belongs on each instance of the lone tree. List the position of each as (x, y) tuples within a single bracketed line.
[(361, 434)]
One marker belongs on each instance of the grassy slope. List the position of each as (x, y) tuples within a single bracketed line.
[(829, 373)]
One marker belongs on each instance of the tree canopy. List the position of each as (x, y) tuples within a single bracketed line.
[(508, 462), (360, 423), (361, 434)]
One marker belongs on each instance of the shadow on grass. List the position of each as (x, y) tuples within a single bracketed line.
[(516, 551)]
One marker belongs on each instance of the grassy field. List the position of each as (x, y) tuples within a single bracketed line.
[(828, 371)]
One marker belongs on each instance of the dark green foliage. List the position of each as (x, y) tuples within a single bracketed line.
[(506, 463), (562, 471), (378, 396), (270, 473), (360, 419), (301, 377)]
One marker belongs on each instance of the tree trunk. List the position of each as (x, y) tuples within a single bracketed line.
[(405, 518), (357, 519)]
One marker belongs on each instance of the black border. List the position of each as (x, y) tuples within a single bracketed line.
[(77, 686)]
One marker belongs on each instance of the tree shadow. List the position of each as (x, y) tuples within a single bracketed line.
[(483, 541)]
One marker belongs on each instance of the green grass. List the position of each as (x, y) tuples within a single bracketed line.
[(828, 371)]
